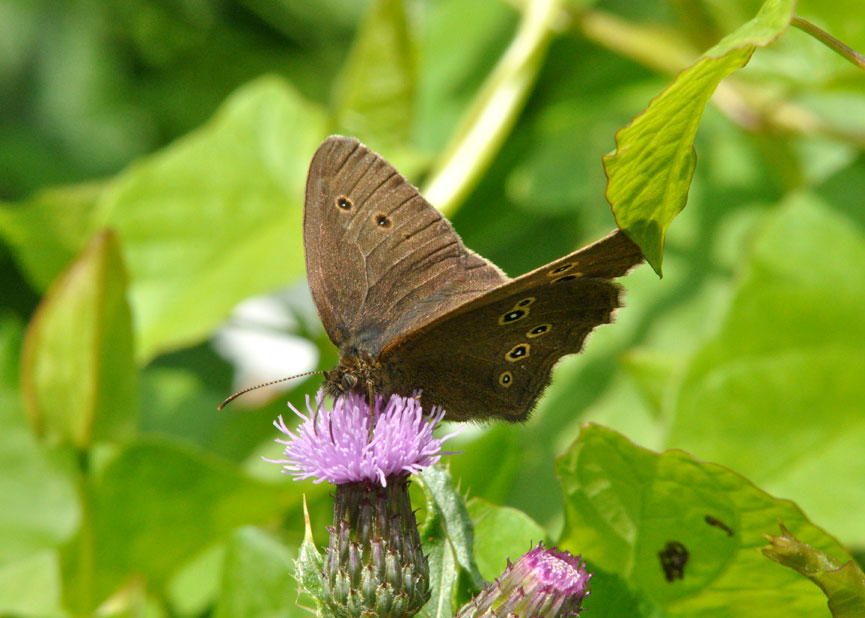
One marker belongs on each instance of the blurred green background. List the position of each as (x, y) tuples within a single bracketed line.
[(185, 127)]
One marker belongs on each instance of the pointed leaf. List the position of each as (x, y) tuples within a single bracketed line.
[(651, 170), (443, 570), (375, 95), (454, 516), (309, 567), (78, 375)]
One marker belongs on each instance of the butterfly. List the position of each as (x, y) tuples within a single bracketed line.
[(412, 309)]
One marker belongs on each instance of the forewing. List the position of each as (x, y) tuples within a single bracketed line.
[(381, 260), (493, 356)]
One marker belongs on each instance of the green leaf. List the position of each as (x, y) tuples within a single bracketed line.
[(308, 568), (78, 375), (257, 578), (31, 587), (216, 217), (47, 231), (777, 392), (844, 585), (39, 507), (155, 504), (443, 569), (650, 173), (454, 516), (624, 505), (375, 94), (501, 533), (456, 55)]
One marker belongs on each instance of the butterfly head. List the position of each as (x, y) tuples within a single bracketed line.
[(357, 372)]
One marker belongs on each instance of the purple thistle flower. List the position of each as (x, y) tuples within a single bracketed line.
[(544, 583), (336, 445)]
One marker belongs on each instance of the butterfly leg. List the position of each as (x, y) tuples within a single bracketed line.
[(371, 394)]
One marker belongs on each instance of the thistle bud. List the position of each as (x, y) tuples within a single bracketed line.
[(544, 583)]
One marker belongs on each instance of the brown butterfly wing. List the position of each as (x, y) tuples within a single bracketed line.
[(493, 356), (380, 260)]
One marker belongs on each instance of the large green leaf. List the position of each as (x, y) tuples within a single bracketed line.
[(31, 587), (257, 578), (501, 534), (78, 374), (47, 231), (155, 504), (624, 506), (216, 217), (777, 393), (39, 507), (650, 172)]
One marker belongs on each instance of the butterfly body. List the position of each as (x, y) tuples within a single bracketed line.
[(411, 308)]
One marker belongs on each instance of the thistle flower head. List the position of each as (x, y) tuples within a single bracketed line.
[(544, 583), (336, 445)]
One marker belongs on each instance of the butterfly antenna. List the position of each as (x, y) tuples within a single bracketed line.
[(257, 386)]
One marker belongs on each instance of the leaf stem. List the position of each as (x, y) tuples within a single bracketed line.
[(494, 110), (829, 41)]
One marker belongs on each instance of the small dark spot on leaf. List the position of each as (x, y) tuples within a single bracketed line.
[(673, 558), (712, 521)]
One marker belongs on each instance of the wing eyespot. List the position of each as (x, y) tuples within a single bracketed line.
[(565, 278), (383, 221), (560, 269), (506, 378), (520, 311), (540, 329), (512, 316), (518, 352), (344, 203)]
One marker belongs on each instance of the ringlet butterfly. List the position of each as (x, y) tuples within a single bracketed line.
[(411, 308)]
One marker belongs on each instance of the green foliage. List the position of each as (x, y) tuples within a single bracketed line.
[(78, 375), (843, 584), (501, 534), (154, 159), (650, 173), (623, 504), (257, 579)]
